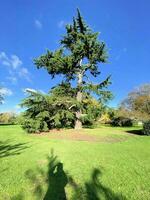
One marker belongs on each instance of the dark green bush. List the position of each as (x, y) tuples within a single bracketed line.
[(58, 110), (121, 121), (35, 125), (146, 128)]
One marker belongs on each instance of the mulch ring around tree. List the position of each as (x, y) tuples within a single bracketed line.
[(76, 135)]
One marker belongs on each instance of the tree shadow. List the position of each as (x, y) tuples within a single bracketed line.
[(57, 179), (94, 189), (136, 132), (89, 126), (18, 197), (9, 149), (8, 124)]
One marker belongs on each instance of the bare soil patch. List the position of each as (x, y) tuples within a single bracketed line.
[(80, 136)]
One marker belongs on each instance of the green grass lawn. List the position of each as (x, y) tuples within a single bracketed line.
[(38, 167)]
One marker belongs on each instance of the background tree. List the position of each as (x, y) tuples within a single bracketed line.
[(137, 103), (7, 118), (79, 54)]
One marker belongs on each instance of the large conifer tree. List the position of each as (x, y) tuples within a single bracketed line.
[(80, 53)]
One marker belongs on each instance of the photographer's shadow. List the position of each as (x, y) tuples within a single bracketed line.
[(57, 180)]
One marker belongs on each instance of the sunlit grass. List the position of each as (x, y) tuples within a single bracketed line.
[(124, 167)]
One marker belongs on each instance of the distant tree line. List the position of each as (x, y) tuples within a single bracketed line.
[(8, 118)]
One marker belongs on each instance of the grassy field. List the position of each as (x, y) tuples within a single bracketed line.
[(117, 166)]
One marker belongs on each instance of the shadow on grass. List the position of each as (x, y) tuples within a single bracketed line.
[(57, 180), (7, 148), (136, 132), (94, 189), (6, 124), (89, 126), (18, 197)]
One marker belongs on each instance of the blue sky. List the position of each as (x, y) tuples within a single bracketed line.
[(28, 27)]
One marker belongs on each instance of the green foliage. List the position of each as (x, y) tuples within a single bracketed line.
[(31, 126), (146, 128), (63, 118), (62, 89), (121, 121), (56, 110), (79, 55), (108, 115), (36, 116), (92, 109), (48, 111), (111, 112), (79, 43), (35, 125), (19, 119), (98, 89)]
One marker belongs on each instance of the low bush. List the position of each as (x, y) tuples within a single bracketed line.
[(35, 126), (146, 128), (121, 121)]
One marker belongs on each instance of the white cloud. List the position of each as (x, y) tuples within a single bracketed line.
[(6, 63), (15, 61), (3, 56), (13, 79), (5, 91), (24, 73), (26, 90), (4, 59), (38, 24), (14, 67), (61, 24)]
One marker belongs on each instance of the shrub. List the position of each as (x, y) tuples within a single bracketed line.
[(146, 128), (121, 121), (34, 125), (45, 127)]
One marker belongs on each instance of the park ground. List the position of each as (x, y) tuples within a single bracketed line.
[(100, 163)]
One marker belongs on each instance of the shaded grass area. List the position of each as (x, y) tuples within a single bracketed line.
[(8, 148), (57, 179), (29, 169), (136, 132)]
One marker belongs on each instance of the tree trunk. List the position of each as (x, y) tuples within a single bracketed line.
[(78, 123)]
